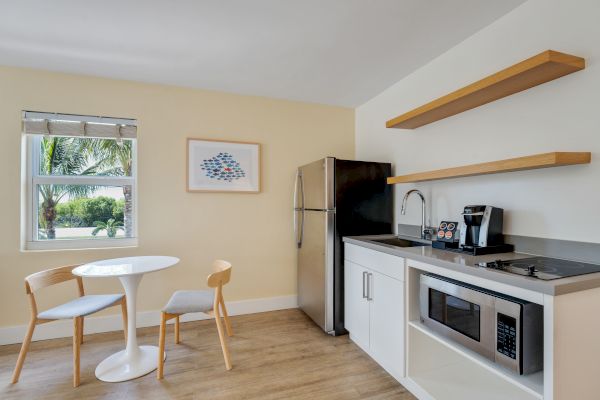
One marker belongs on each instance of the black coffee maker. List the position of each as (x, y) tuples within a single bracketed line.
[(481, 231)]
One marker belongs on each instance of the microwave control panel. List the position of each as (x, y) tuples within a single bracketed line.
[(506, 342)]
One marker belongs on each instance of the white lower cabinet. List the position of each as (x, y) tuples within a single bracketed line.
[(356, 317), (374, 307), (387, 323)]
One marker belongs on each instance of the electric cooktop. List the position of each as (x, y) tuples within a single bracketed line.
[(542, 267)]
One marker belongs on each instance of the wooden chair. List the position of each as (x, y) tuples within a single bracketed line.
[(75, 309), (206, 301)]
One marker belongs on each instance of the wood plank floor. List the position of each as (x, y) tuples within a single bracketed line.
[(276, 355)]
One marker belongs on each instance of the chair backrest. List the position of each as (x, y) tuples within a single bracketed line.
[(221, 275), (50, 277)]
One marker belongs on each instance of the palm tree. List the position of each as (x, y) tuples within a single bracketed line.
[(117, 158), (62, 156), (111, 227)]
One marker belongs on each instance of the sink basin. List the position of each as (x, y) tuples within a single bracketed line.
[(398, 242)]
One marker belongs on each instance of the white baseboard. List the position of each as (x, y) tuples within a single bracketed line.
[(109, 323)]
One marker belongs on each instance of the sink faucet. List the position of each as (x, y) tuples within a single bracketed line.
[(425, 231)]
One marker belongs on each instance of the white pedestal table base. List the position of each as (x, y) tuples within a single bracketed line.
[(122, 367), (134, 361)]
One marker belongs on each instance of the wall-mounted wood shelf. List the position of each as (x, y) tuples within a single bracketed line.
[(534, 71), (545, 160)]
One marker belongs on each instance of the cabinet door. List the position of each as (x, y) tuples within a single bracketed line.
[(387, 323), (356, 305)]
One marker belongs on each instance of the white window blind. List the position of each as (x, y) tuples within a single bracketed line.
[(40, 123)]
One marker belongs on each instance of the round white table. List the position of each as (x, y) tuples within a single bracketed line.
[(134, 361)]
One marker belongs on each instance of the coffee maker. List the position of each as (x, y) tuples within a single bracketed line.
[(481, 231)]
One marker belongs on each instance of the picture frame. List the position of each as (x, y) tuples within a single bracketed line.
[(223, 166)]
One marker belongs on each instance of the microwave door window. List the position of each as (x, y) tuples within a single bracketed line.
[(455, 313)]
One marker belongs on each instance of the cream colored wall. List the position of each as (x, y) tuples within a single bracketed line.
[(253, 231)]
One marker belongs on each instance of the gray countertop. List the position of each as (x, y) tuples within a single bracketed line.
[(467, 264)]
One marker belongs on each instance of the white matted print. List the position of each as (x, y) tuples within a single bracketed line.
[(222, 166)]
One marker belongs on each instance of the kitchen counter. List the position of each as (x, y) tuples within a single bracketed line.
[(467, 264)]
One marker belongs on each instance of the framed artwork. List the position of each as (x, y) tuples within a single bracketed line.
[(222, 166)]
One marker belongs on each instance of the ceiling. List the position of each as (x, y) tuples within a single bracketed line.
[(339, 52)]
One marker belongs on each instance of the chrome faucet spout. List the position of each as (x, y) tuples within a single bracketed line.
[(424, 230)]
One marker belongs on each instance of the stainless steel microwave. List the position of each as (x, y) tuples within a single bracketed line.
[(504, 329)]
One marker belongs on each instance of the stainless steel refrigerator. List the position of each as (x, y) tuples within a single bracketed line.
[(335, 198)]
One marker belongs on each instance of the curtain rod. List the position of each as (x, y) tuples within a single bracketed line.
[(78, 118)]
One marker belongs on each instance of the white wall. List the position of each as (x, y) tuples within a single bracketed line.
[(562, 115)]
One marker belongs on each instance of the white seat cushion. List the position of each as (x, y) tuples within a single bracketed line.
[(81, 306), (189, 301)]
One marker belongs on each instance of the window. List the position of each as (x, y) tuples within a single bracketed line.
[(80, 181)]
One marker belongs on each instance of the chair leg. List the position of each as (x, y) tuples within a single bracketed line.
[(161, 346), (124, 315), (226, 318), (76, 349), (177, 329), (23, 352), (222, 339), (81, 331)]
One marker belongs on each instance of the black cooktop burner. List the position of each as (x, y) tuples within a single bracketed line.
[(542, 267)]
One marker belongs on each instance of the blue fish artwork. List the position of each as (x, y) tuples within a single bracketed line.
[(223, 167)]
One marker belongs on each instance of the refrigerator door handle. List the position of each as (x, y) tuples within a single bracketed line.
[(299, 230), (296, 208), (301, 181), (364, 284), (296, 190)]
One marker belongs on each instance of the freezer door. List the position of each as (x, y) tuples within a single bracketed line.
[(315, 268), (317, 183)]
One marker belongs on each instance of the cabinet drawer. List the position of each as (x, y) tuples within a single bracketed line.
[(375, 260)]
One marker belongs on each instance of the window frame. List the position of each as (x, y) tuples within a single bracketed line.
[(33, 178)]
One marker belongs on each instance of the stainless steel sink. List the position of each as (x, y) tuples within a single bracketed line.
[(399, 242)]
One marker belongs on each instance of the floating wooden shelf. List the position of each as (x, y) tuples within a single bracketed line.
[(534, 71), (545, 160)]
